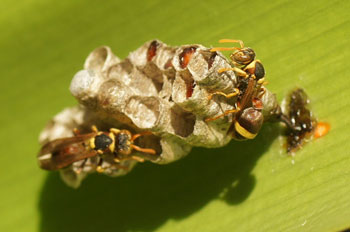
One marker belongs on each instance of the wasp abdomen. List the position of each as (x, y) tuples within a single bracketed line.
[(249, 123), (259, 70)]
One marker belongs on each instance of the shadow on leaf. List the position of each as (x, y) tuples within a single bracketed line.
[(152, 194)]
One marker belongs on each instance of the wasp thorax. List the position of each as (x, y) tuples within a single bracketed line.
[(243, 56), (123, 143), (249, 123), (102, 142)]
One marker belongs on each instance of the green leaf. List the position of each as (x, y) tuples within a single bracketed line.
[(245, 186)]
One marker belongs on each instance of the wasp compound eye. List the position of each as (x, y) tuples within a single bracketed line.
[(102, 142), (243, 56), (249, 123)]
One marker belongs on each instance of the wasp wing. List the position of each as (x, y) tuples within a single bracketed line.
[(60, 153), (245, 102), (247, 98)]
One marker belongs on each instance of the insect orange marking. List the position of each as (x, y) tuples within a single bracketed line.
[(152, 50), (186, 56), (258, 104), (190, 86), (321, 129)]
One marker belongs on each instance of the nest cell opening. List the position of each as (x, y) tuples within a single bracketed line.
[(144, 112), (97, 58), (182, 121)]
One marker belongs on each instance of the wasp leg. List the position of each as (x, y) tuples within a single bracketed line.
[(227, 112), (121, 167), (224, 94), (99, 167), (232, 41), (261, 93), (133, 157), (94, 128), (114, 130), (76, 131), (221, 70), (80, 169), (139, 159), (262, 81), (145, 150), (237, 71)]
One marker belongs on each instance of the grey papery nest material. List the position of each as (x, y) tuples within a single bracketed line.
[(151, 93)]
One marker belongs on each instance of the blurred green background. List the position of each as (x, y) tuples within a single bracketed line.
[(244, 186)]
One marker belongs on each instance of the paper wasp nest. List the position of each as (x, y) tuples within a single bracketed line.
[(156, 88)]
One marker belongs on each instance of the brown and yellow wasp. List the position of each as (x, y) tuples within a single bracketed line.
[(248, 118), (247, 115), (61, 153)]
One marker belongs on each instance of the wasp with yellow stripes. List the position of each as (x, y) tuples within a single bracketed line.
[(60, 153), (247, 115), (248, 118)]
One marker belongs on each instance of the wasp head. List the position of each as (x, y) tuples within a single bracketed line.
[(243, 56)]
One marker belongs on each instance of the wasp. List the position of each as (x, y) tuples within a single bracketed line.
[(248, 118), (60, 153), (243, 60), (244, 65)]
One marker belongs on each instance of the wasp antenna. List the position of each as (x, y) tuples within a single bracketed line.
[(232, 41), (145, 150), (224, 49), (140, 134)]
